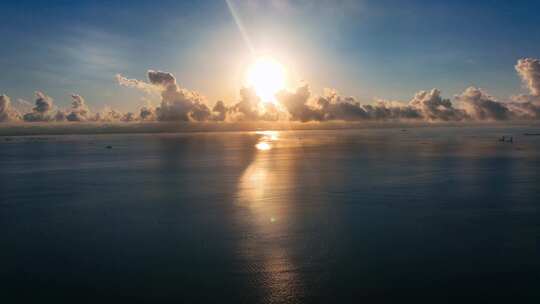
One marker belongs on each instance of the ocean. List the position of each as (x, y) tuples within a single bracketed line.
[(322, 216)]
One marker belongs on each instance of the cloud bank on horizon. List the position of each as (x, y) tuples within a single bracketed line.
[(181, 104)]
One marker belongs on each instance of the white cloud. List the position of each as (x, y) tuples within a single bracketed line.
[(7, 112)]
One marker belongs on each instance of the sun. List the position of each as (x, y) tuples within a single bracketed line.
[(267, 77)]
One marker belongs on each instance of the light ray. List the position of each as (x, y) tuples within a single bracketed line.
[(240, 26)]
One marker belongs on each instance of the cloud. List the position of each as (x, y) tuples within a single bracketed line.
[(480, 106), (272, 112), (529, 71), (432, 106), (44, 103), (147, 113), (160, 78), (41, 111), (23, 105), (388, 110), (60, 116), (108, 115), (219, 111), (524, 110), (128, 117), (247, 109), (337, 107), (7, 112), (296, 104), (525, 106), (181, 104), (302, 106), (79, 109), (137, 84), (475, 103), (177, 104)]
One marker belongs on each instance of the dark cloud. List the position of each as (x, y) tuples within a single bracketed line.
[(42, 109), (163, 79), (79, 109), (147, 113), (44, 103), (128, 117), (219, 111), (60, 116), (200, 112)]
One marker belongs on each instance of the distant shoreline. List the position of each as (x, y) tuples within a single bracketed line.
[(32, 129)]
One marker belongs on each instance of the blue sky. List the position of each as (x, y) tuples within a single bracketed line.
[(368, 49)]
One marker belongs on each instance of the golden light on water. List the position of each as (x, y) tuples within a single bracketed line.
[(271, 135), (266, 194), (267, 77), (265, 142), (263, 146)]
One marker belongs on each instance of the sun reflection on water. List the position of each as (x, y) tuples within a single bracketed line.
[(263, 146), (267, 139), (265, 198), (272, 135)]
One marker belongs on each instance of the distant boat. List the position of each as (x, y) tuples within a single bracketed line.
[(531, 134)]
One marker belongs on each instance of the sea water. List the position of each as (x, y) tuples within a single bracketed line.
[(270, 216)]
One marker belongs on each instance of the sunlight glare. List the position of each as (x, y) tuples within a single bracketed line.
[(265, 142), (263, 146), (267, 77)]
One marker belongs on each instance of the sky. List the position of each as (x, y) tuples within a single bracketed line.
[(367, 49)]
